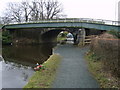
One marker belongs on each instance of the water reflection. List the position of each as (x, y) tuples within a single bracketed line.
[(18, 62), (27, 55)]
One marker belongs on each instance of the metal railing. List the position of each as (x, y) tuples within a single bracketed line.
[(88, 20)]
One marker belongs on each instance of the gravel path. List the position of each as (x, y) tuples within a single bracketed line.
[(73, 71)]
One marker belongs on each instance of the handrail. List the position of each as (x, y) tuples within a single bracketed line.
[(88, 20)]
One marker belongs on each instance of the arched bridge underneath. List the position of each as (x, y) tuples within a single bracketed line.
[(47, 31)]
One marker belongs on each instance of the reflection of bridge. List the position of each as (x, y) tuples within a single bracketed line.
[(75, 26)]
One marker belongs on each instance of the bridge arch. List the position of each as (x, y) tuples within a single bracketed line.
[(51, 35)]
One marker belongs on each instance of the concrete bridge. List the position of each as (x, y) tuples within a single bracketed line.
[(47, 30)]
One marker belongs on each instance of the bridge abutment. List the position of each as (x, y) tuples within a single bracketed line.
[(79, 36), (26, 36), (48, 35)]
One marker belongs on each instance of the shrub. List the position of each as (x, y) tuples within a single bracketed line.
[(6, 37), (107, 50)]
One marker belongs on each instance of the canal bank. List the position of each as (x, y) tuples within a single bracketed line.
[(44, 77), (103, 59), (103, 76)]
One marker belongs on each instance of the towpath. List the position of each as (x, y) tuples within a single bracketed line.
[(73, 70)]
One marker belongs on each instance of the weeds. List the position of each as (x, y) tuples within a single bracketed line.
[(96, 67)]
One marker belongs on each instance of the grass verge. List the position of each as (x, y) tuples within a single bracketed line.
[(104, 77), (44, 78)]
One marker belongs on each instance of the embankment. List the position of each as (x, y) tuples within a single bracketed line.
[(104, 60), (44, 78)]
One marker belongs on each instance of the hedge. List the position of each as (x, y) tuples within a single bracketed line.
[(108, 52)]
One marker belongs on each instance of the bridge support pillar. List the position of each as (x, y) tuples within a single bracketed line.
[(81, 37), (78, 36)]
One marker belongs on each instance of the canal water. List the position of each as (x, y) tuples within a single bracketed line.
[(18, 62)]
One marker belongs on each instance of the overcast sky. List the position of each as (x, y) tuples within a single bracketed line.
[(98, 9)]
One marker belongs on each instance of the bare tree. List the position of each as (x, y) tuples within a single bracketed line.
[(42, 9), (5, 20), (34, 10), (14, 12), (41, 6), (53, 8), (26, 10)]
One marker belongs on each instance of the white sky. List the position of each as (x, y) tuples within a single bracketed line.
[(98, 9)]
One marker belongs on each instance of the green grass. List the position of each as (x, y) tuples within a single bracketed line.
[(61, 38), (44, 78), (96, 67)]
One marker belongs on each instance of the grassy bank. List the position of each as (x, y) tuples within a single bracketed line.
[(103, 76), (44, 78)]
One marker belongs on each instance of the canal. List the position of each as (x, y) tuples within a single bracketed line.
[(17, 65)]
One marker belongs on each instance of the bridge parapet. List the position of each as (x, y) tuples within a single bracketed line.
[(88, 20)]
